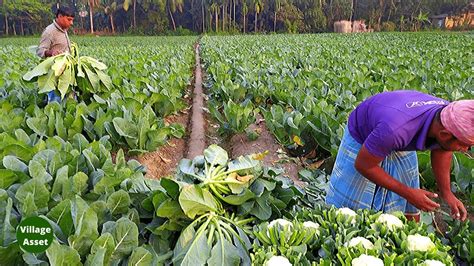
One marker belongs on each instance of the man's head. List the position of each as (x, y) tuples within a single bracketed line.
[(456, 131), (65, 17)]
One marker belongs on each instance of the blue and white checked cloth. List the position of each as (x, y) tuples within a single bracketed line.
[(348, 188)]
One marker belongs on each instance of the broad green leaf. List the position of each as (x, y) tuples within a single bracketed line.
[(141, 257), (8, 232), (125, 234), (171, 187), (61, 255), (118, 202), (216, 155), (14, 164), (40, 69), (61, 214), (9, 177), (101, 250), (196, 201), (125, 128), (224, 253), (197, 253), (169, 209), (33, 189)]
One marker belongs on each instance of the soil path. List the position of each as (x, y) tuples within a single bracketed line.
[(197, 138)]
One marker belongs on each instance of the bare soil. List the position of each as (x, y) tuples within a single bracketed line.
[(241, 145), (164, 160)]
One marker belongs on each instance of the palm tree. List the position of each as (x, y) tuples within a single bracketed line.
[(215, 8), (277, 7), (258, 4), (110, 7), (245, 11), (92, 4), (173, 6)]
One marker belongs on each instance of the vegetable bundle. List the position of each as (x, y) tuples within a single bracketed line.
[(67, 71)]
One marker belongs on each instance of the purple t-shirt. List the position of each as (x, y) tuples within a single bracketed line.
[(394, 121)]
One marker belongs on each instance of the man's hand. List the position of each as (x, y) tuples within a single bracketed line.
[(458, 211), (49, 53), (421, 199)]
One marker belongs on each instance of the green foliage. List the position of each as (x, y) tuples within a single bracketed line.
[(68, 71)]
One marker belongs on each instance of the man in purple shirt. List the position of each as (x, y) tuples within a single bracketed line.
[(376, 165)]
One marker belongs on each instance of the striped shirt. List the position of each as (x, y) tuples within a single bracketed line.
[(53, 38)]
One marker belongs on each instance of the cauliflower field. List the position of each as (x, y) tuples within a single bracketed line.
[(71, 164)]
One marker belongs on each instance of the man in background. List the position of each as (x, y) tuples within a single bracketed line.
[(55, 40)]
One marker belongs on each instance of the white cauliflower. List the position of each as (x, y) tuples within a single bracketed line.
[(418, 242), (391, 221), (281, 222), (432, 263), (278, 261), (350, 214), (367, 260), (360, 240), (309, 224)]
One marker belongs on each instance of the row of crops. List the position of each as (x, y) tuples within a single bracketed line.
[(306, 85), (67, 163)]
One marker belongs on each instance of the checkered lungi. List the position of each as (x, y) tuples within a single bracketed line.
[(348, 188)]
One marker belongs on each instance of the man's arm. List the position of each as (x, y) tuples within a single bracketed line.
[(368, 165), (441, 164), (44, 46)]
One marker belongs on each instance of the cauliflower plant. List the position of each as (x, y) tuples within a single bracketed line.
[(281, 222), (432, 263), (418, 242), (278, 261), (367, 260), (309, 224), (350, 214), (360, 240), (391, 221)]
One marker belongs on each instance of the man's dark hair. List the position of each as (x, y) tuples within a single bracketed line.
[(65, 11)]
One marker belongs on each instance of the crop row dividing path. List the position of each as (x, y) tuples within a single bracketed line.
[(197, 137)]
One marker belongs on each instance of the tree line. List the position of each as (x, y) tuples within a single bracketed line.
[(24, 17)]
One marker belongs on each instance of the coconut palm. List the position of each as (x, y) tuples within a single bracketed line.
[(258, 5)]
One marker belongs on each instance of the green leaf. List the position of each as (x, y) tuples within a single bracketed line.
[(33, 189), (125, 234), (79, 183), (38, 125), (239, 199), (171, 187), (101, 250), (40, 69), (224, 253), (216, 155), (197, 253), (141, 257), (169, 209), (65, 81), (85, 223), (100, 208), (8, 178), (196, 201), (61, 214), (37, 170), (8, 232), (47, 83), (14, 164), (60, 255), (125, 128), (118, 202)]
